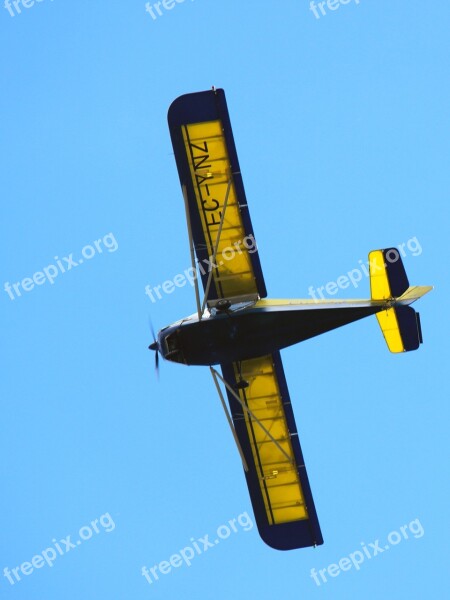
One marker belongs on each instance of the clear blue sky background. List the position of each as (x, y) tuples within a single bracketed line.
[(341, 125)]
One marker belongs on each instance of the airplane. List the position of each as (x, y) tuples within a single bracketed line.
[(237, 327)]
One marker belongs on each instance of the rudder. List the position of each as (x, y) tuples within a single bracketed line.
[(387, 274), (388, 281)]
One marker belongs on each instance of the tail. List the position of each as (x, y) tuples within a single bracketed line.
[(399, 322)]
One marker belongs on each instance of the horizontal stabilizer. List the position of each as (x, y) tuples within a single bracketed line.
[(414, 292)]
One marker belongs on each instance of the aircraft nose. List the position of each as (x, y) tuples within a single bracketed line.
[(153, 346)]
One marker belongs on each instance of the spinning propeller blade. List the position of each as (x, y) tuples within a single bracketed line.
[(155, 347)]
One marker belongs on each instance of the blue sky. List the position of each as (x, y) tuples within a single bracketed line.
[(341, 125)]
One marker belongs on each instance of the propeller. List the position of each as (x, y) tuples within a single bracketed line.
[(155, 347)]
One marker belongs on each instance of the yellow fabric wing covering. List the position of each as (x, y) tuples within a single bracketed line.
[(275, 461), (213, 185)]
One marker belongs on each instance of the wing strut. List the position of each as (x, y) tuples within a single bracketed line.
[(230, 422), (216, 245), (266, 431), (191, 248)]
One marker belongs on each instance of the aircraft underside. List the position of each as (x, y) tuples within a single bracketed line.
[(236, 327), (248, 334)]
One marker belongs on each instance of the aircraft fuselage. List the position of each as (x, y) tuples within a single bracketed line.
[(266, 326)]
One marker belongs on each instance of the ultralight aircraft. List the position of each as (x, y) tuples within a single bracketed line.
[(236, 327)]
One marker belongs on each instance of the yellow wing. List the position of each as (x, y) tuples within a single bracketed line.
[(221, 229)]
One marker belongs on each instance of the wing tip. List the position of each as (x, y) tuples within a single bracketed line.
[(290, 536), (186, 99)]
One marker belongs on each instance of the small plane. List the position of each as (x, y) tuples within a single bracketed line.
[(236, 327)]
